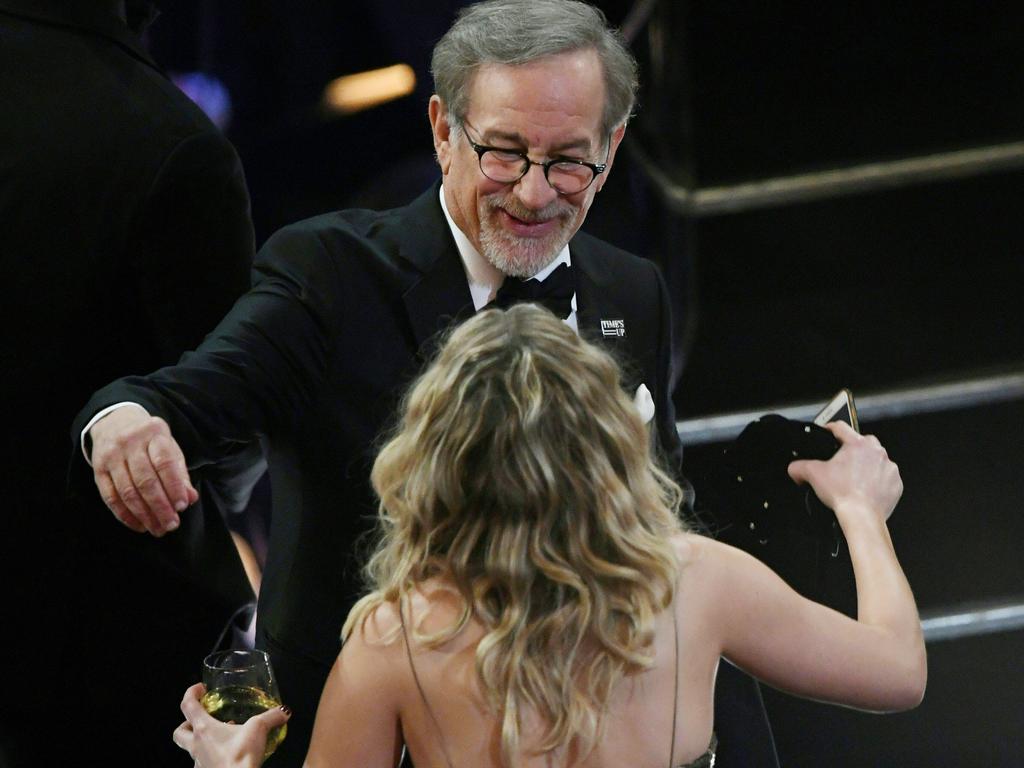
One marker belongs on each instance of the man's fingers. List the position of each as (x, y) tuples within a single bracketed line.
[(169, 462), (147, 481), (132, 499), (113, 501)]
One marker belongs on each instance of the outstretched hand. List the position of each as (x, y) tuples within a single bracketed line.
[(859, 475), (214, 744), (140, 470)]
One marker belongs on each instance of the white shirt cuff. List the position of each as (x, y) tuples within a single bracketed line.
[(99, 415)]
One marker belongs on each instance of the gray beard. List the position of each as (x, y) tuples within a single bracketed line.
[(516, 256)]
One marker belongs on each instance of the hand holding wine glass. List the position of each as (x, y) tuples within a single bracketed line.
[(238, 690)]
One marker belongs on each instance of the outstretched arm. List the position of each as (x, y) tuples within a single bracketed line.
[(255, 372), (876, 662)]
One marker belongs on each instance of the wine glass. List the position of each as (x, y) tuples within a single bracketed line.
[(240, 684)]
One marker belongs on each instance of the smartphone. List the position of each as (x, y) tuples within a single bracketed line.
[(839, 408)]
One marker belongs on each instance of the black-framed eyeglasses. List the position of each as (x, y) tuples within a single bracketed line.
[(566, 176)]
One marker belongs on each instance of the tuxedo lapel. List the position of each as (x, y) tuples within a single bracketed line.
[(438, 299), (439, 293), (598, 316), (603, 316)]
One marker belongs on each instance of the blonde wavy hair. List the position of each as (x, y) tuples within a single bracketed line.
[(520, 473)]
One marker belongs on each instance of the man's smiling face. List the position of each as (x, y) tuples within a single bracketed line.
[(548, 108)]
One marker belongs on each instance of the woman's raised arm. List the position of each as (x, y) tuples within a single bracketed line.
[(875, 663)]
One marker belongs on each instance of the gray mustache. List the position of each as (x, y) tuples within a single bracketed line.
[(556, 210)]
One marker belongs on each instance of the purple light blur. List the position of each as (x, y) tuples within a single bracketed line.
[(209, 93)]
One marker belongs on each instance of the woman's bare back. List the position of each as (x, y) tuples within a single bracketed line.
[(637, 728)]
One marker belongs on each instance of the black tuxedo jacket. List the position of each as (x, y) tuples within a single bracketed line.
[(124, 237)]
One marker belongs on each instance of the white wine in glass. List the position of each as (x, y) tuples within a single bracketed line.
[(240, 684)]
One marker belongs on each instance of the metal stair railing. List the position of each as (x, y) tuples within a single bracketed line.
[(965, 393), (819, 185)]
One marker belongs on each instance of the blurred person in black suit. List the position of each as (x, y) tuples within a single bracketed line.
[(125, 234)]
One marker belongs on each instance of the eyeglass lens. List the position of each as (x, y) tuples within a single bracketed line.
[(507, 167)]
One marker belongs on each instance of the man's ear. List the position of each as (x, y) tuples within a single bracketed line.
[(442, 132), (616, 139)]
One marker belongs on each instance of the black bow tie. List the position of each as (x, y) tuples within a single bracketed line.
[(555, 292)]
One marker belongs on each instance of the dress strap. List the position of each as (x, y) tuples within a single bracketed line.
[(675, 687), (419, 686), (707, 760)]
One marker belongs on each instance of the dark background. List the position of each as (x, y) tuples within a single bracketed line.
[(780, 304)]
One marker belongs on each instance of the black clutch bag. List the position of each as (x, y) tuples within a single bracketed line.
[(750, 490), (746, 498)]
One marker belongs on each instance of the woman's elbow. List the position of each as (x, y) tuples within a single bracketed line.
[(909, 691)]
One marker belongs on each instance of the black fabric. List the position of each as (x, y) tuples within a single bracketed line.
[(752, 487), (748, 500), (744, 734), (125, 236), (344, 309), (555, 292)]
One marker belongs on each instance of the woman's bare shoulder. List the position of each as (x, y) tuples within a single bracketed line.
[(429, 608), (689, 548), (704, 564), (696, 548)]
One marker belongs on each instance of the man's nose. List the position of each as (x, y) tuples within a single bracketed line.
[(533, 189)]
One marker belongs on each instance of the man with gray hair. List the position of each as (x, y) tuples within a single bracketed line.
[(532, 100)]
